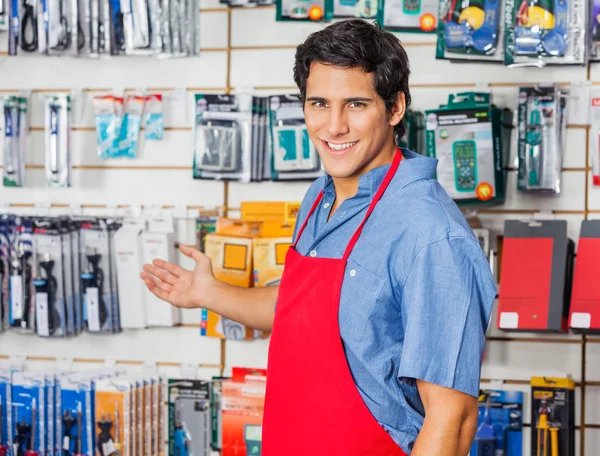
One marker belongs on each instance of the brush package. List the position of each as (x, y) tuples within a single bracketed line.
[(355, 8), (48, 279), (293, 154), (552, 416), (13, 139), (29, 414), (95, 277), (500, 424), (541, 138), (223, 137), (541, 32), (58, 140), (417, 16), (470, 30), (470, 138), (304, 10), (189, 417), (75, 417), (21, 281)]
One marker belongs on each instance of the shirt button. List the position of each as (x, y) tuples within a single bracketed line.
[(352, 272), (313, 253), (326, 205)]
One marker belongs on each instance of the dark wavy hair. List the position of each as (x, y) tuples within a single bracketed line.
[(356, 43)]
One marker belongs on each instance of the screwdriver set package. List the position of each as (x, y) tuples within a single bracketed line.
[(552, 416), (293, 154), (58, 140), (29, 414), (541, 141), (189, 417), (14, 131)]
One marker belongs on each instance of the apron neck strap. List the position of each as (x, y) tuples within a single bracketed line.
[(382, 188), (310, 213)]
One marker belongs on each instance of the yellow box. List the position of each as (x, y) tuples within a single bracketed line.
[(232, 263), (238, 228), (269, 258), (277, 229), (270, 211)]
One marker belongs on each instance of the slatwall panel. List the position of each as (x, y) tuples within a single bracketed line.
[(247, 48)]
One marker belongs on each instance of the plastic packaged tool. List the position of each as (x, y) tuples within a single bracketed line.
[(29, 413), (366, 9), (311, 10), (64, 35), (50, 302), (21, 287), (470, 30), (541, 138), (3, 15), (58, 140), (5, 410), (470, 137), (420, 16), (538, 32), (75, 415), (29, 41), (595, 138), (154, 118), (108, 125), (223, 137), (13, 27), (6, 223), (130, 128), (14, 131), (595, 31), (294, 155)]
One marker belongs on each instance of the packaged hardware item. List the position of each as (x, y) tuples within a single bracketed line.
[(154, 118), (189, 417), (538, 32), (216, 401), (595, 138), (6, 228), (76, 414), (500, 424), (243, 400), (311, 10), (471, 30), (58, 140), (13, 136), (112, 416), (552, 416), (535, 276), (470, 138), (5, 410), (294, 155), (223, 137), (21, 276), (108, 111), (541, 141), (29, 413), (408, 15), (366, 9), (205, 224), (584, 315), (595, 31), (268, 260)]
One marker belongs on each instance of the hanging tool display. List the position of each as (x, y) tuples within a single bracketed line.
[(105, 442), (13, 134), (58, 143), (21, 311), (72, 432), (3, 447), (92, 284)]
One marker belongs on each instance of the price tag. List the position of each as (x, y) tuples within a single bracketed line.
[(41, 314), (16, 297), (93, 311)]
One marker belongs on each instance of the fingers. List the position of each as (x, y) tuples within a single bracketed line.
[(152, 285), (171, 267), (191, 252), (159, 283), (161, 274)]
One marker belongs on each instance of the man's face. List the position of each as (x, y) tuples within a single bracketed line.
[(347, 120)]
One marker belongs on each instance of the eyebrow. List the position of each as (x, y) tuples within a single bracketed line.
[(346, 100)]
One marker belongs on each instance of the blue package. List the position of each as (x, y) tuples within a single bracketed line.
[(29, 416), (5, 416), (130, 128), (506, 417), (76, 413)]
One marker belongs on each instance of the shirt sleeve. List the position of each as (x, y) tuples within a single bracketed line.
[(447, 302)]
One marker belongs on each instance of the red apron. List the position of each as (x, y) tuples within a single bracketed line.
[(312, 405)]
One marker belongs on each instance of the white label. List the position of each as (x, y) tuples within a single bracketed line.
[(41, 313), (66, 443), (108, 448), (509, 320), (93, 311), (581, 320), (16, 297)]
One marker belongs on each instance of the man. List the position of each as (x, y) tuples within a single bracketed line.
[(386, 294)]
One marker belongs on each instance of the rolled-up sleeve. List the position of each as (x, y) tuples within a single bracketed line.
[(447, 300)]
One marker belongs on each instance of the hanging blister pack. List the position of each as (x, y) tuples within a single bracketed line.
[(223, 137), (470, 31), (14, 27), (14, 130), (6, 222), (595, 138), (67, 259), (64, 32), (130, 128), (76, 274), (541, 138), (3, 15), (75, 415), (154, 118), (108, 126), (418, 16), (293, 154), (6, 375), (58, 141), (48, 280), (366, 9), (29, 413), (29, 25), (538, 32), (595, 31), (21, 286), (306, 10)]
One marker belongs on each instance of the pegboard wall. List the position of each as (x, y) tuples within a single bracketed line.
[(247, 48)]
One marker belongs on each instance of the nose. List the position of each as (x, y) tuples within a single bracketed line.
[(338, 123)]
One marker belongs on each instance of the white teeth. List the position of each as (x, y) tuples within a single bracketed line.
[(341, 146)]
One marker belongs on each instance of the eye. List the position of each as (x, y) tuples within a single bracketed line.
[(319, 104), (357, 104)]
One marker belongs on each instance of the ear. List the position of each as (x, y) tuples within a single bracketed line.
[(398, 110)]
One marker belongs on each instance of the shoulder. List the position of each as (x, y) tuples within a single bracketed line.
[(309, 197)]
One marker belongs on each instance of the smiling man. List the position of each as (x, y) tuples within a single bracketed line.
[(381, 314)]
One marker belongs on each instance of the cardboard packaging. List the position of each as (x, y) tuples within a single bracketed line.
[(267, 211), (535, 279), (269, 257), (585, 298), (552, 416), (243, 407)]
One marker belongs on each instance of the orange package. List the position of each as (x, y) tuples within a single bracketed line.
[(113, 417)]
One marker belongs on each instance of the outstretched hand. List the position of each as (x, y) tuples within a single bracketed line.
[(178, 286)]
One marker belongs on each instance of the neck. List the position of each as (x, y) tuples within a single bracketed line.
[(346, 187)]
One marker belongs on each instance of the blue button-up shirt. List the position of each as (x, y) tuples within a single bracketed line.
[(418, 291)]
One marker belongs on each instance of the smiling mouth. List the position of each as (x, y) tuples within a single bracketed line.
[(338, 148)]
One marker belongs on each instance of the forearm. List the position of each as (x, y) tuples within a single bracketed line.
[(446, 433), (252, 307)]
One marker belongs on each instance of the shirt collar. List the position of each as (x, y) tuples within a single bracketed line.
[(413, 167)]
